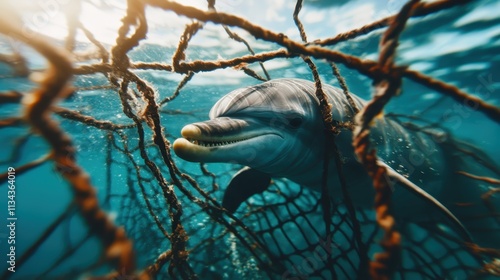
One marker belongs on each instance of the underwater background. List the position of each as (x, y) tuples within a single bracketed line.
[(274, 235)]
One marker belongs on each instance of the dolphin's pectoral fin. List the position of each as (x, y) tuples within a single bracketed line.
[(419, 192), (243, 185)]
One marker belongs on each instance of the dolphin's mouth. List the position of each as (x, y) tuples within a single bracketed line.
[(215, 142), (195, 135), (198, 146)]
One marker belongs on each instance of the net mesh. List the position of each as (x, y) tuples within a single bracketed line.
[(150, 219)]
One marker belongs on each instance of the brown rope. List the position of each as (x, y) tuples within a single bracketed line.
[(366, 67), (54, 85), (385, 263)]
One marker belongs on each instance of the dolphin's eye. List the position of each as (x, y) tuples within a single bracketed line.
[(295, 121)]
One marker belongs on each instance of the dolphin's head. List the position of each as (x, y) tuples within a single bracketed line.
[(271, 127), (276, 129)]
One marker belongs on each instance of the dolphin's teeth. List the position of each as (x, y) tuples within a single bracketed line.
[(213, 144)]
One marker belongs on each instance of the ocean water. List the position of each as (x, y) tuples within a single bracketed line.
[(459, 46)]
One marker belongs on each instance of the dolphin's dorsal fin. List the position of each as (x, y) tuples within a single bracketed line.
[(419, 192), (243, 185)]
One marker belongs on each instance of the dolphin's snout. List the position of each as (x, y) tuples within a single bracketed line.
[(187, 147), (199, 140), (218, 127), (190, 131)]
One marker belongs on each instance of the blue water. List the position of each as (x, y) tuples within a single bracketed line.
[(460, 46)]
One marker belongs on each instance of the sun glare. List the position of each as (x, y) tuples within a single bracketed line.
[(50, 17), (101, 18)]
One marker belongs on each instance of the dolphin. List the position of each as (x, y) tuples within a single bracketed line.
[(275, 130)]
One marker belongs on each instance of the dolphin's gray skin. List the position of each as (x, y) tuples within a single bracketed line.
[(275, 129)]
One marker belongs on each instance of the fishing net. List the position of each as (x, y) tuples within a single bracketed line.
[(137, 211)]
